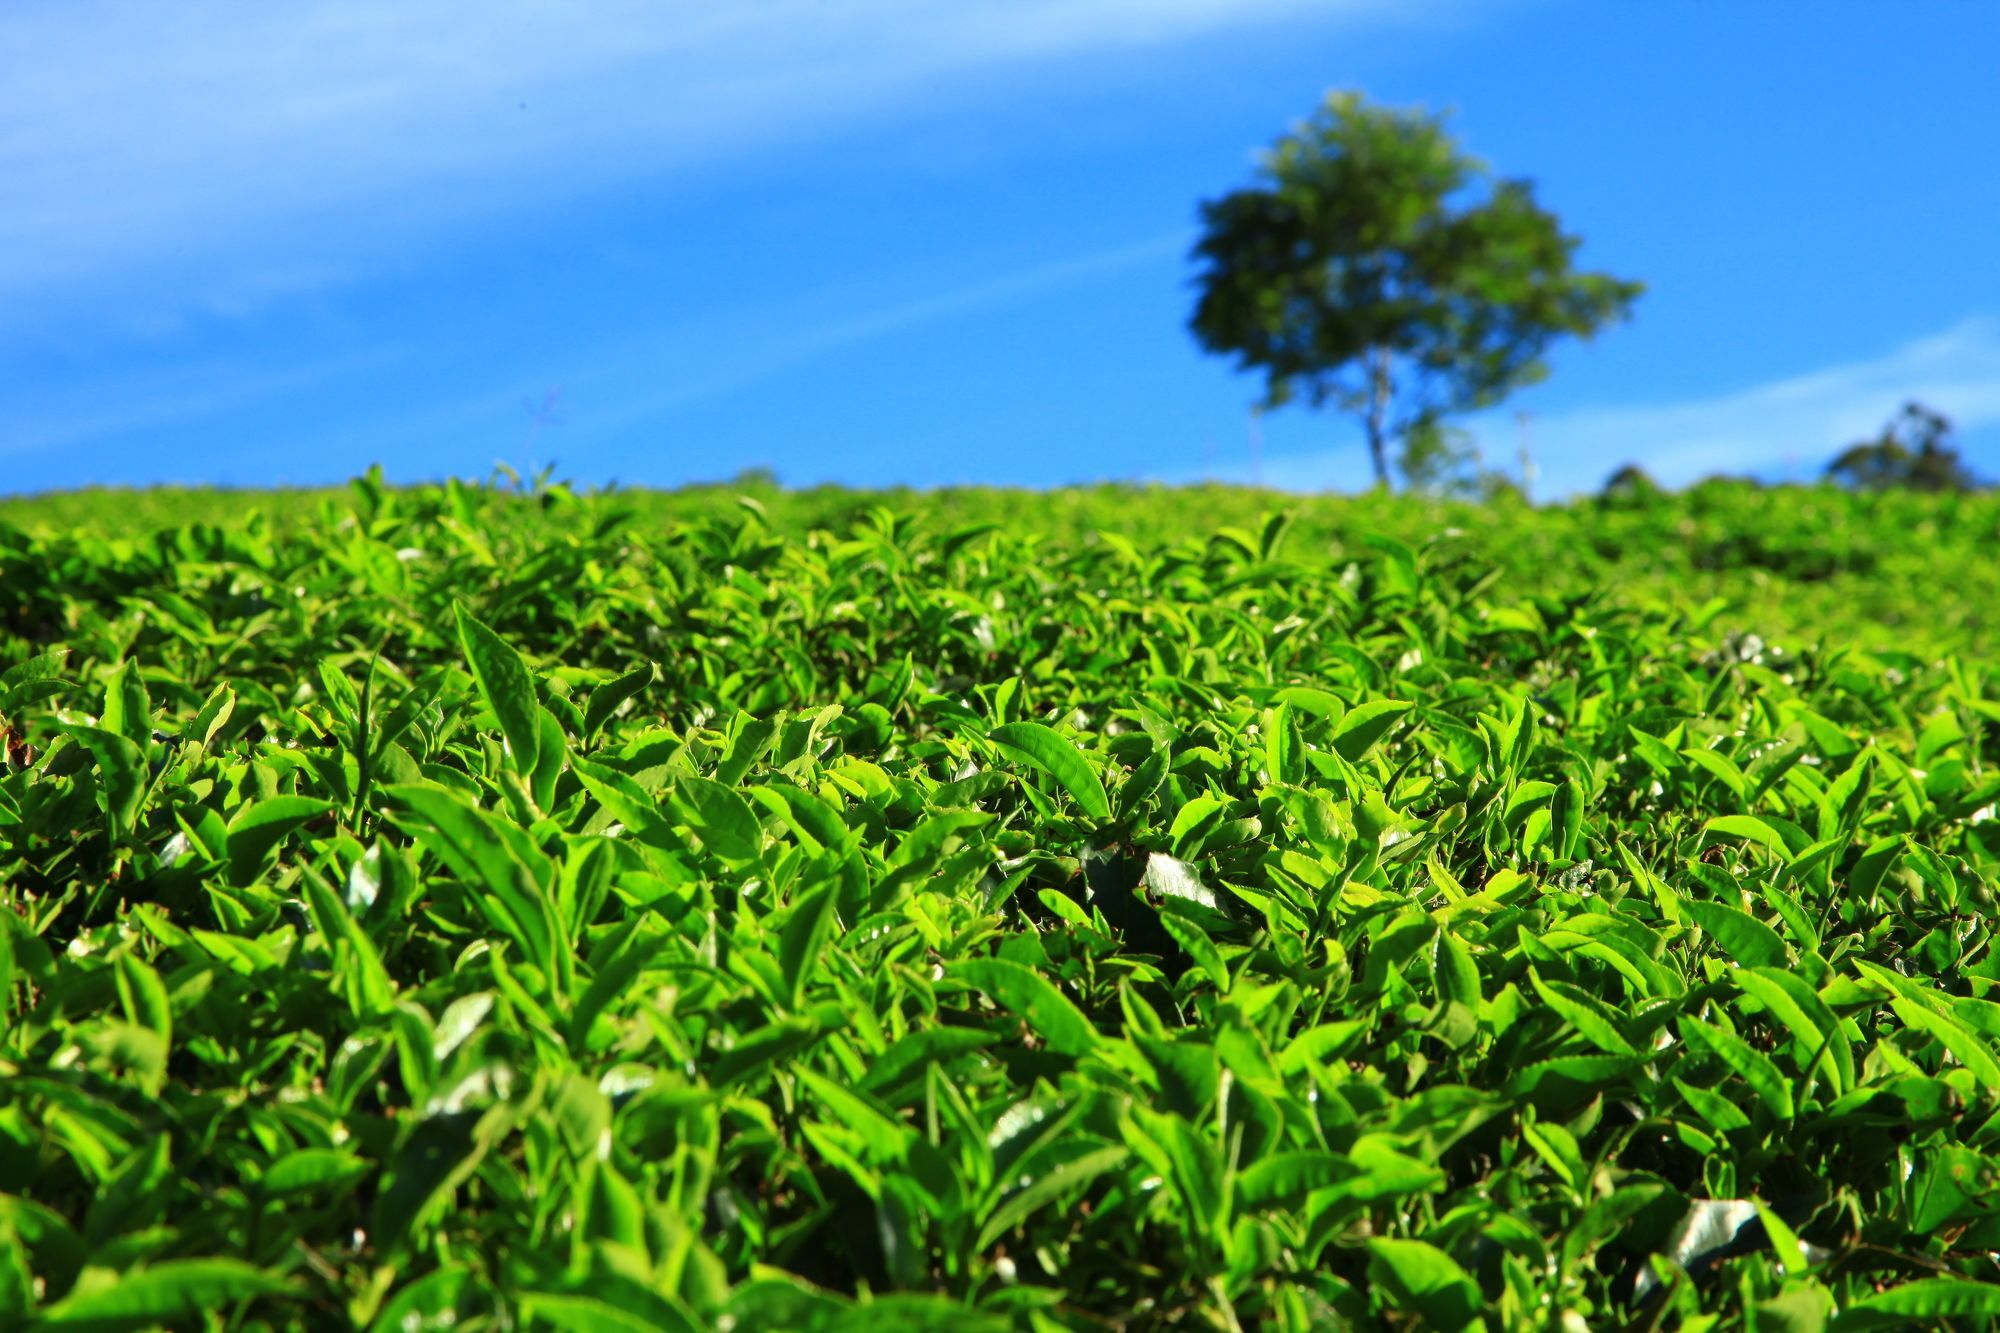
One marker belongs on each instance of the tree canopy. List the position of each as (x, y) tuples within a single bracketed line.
[(1367, 270)]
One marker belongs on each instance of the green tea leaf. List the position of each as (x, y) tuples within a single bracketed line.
[(1046, 1189), (1364, 725), (804, 935), (121, 775), (506, 686), (1963, 1044), (309, 1169), (1060, 759), (1752, 828), (477, 849), (1753, 1066), (608, 698), (720, 817), (1922, 1301), (1287, 1176), (127, 711), (1588, 1015), (1425, 1281), (1816, 1032), (174, 1289), (1034, 998), (257, 829), (1191, 937), (1738, 934)]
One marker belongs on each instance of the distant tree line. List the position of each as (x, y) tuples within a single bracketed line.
[(1912, 452)]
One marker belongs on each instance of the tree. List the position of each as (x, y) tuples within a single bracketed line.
[(1911, 453), (1360, 271), (1630, 485)]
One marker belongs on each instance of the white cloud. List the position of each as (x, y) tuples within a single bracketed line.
[(1789, 427), (147, 137)]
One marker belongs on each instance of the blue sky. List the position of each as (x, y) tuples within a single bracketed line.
[(935, 241)]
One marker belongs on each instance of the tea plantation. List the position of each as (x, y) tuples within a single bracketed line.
[(1112, 909)]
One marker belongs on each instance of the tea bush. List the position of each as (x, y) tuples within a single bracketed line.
[(1116, 908)]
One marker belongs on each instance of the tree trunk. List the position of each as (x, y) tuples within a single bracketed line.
[(1378, 413)]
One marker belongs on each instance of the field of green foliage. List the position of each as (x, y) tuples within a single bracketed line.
[(1115, 908)]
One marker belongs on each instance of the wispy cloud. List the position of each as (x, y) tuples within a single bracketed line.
[(769, 342), (1787, 427), (203, 135), (636, 381), (626, 383), (51, 421)]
